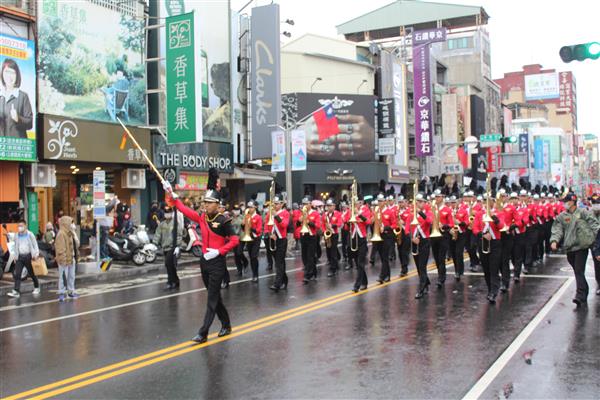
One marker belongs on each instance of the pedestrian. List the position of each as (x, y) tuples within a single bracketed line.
[(596, 247), (163, 237), (49, 235), (217, 239), (155, 215), (576, 229), (106, 223), (26, 250), (66, 247)]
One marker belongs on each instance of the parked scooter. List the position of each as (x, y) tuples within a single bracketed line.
[(121, 249), (139, 238), (191, 241)]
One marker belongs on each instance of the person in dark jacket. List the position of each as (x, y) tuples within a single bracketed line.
[(596, 245), (16, 114)]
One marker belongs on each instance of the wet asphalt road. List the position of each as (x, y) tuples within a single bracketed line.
[(324, 343)]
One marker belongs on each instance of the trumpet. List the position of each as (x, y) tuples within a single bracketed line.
[(247, 235), (414, 248), (271, 219), (352, 220)]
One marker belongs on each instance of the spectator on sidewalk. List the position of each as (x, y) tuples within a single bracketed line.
[(26, 249), (163, 237), (49, 235), (155, 215), (66, 246), (106, 223)]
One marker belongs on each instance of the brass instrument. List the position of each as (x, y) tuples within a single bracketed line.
[(305, 229), (376, 236), (435, 226), (352, 220), (398, 230), (414, 248), (487, 218), (455, 229), (271, 218), (247, 235), (328, 231)]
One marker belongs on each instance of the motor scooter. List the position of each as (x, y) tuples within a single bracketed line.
[(191, 242), (140, 238), (120, 249)]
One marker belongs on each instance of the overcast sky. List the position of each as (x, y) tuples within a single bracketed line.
[(521, 32)]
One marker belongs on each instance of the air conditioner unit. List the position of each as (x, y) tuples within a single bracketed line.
[(41, 175), (133, 178)]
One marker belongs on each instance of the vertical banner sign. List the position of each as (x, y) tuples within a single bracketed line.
[(298, 150), (278, 151), (422, 89), (33, 223), (399, 116), (184, 104), (546, 152), (265, 77), (524, 145), (538, 154), (99, 180)]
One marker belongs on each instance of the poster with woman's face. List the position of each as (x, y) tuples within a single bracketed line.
[(17, 99)]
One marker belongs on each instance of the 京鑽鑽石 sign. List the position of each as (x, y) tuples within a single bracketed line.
[(184, 106)]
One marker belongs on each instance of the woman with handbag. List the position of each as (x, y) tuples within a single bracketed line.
[(66, 244), (26, 250)]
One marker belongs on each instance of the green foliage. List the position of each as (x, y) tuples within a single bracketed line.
[(137, 99), (132, 33)]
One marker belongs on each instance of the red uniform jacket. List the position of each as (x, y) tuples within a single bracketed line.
[(462, 218), (216, 233), (282, 220), (364, 218), (389, 219), (508, 214), (297, 221), (521, 219), (256, 224), (445, 215), (479, 225), (424, 227), (335, 220), (345, 218), (406, 214), (314, 222)]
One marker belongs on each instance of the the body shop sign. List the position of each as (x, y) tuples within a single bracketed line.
[(193, 156)]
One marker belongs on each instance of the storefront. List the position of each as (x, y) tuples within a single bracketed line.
[(72, 150)]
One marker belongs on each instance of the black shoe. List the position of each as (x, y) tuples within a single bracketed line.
[(330, 274), (386, 280), (380, 281), (372, 262), (426, 289), (420, 294), (283, 286), (473, 268), (457, 278), (580, 303), (313, 278), (355, 289), (348, 267), (403, 274), (597, 292), (274, 288), (492, 298), (224, 331), (517, 279), (240, 273), (270, 268), (305, 281), (175, 286), (168, 286), (224, 285), (503, 288), (200, 338), (363, 287), (255, 279), (440, 285), (525, 271)]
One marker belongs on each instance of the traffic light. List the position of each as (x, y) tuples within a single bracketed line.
[(509, 139), (580, 52)]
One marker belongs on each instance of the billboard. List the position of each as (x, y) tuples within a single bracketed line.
[(566, 92), (17, 99), (213, 86), (541, 86), (265, 76), (90, 61), (356, 121)]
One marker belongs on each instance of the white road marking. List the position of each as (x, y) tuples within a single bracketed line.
[(484, 382), (133, 303)]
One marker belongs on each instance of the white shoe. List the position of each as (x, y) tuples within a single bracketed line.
[(14, 293), (37, 290)]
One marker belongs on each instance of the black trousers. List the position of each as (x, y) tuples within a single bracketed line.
[(213, 272), (241, 262), (491, 264), (597, 272), (345, 243), (281, 278), (360, 255), (547, 234), (332, 253), (403, 252), (253, 248), (270, 254), (171, 265), (507, 250), (309, 258), (381, 248), (457, 252), (439, 248), (319, 250), (24, 261), (577, 259), (421, 260), (471, 244), (531, 237), (518, 254)]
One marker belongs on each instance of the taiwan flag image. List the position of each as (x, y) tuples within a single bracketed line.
[(327, 123)]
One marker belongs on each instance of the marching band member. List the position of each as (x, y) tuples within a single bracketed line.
[(404, 245), (439, 245), (266, 237), (490, 248), (279, 235), (471, 241), (507, 215), (420, 238), (389, 216), (308, 241), (462, 222), (394, 210), (256, 230), (297, 221), (345, 228), (521, 219), (358, 243), (332, 220)]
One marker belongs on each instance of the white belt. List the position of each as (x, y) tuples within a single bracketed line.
[(487, 229)]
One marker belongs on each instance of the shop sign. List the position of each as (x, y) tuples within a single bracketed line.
[(189, 181), (78, 140), (193, 156), (18, 140), (99, 187), (171, 175), (387, 146), (386, 116)]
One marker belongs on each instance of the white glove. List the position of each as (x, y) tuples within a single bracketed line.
[(176, 252), (210, 254), (167, 186)]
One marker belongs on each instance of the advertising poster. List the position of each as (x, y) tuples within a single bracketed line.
[(278, 151), (298, 150), (213, 86), (90, 61), (356, 121), (542, 86), (17, 99)]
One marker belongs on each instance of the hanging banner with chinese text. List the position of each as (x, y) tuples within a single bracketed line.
[(184, 124), (278, 151), (298, 150)]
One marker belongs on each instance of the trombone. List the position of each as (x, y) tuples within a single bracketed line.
[(271, 218), (352, 221), (487, 218), (414, 248)]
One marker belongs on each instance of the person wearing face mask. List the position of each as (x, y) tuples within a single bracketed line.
[(596, 247), (241, 262), (66, 257), (577, 229), (153, 218), (26, 250), (49, 235), (163, 237)]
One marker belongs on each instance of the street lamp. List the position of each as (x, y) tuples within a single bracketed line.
[(362, 83), (317, 79)]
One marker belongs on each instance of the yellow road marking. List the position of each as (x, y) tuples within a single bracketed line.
[(148, 359)]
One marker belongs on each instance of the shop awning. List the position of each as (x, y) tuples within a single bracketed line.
[(252, 175)]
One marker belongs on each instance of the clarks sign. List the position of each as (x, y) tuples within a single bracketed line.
[(265, 73)]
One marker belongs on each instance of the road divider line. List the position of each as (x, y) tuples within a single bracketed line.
[(486, 380), (133, 364)]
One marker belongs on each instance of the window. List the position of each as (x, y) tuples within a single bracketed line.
[(460, 43)]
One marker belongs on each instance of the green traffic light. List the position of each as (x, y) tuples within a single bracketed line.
[(593, 50), (580, 52)]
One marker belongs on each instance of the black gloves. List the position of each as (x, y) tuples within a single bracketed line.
[(298, 224), (423, 215), (445, 227), (278, 218), (462, 225), (334, 226), (513, 227), (311, 224), (362, 217), (495, 219)]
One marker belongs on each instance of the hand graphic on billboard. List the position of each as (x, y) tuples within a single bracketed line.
[(356, 138)]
